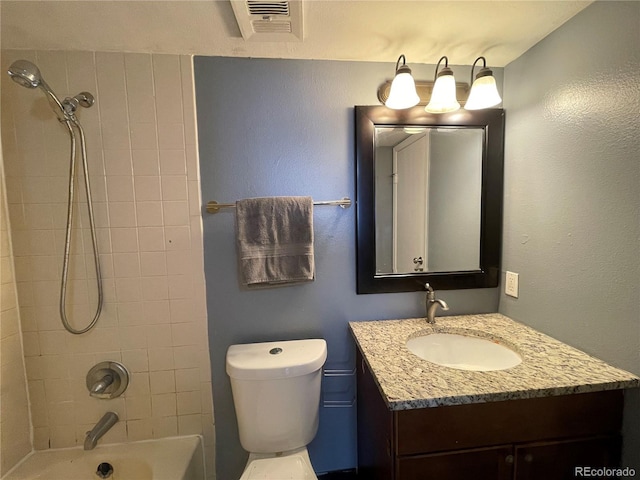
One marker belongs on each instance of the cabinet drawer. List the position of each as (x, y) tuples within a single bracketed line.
[(494, 463), (516, 421)]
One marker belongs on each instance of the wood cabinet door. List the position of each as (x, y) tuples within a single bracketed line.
[(493, 463), (375, 428), (559, 460)]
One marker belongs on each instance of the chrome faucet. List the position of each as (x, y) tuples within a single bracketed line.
[(433, 303), (107, 421)]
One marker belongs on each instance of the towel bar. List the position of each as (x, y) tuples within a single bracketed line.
[(215, 207)]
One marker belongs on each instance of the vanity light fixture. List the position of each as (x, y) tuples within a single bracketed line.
[(403, 88), (484, 92), (443, 98)]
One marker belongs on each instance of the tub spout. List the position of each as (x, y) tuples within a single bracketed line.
[(108, 420)]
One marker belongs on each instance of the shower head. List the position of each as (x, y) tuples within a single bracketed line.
[(25, 73)]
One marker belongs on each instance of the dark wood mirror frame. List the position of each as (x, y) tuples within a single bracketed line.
[(367, 118)]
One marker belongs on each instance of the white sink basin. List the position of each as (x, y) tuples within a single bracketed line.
[(464, 352)]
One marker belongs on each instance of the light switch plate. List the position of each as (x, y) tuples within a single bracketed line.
[(511, 284)]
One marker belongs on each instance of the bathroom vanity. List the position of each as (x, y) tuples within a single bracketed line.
[(558, 409)]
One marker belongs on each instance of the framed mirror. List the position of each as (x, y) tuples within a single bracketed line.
[(429, 198)]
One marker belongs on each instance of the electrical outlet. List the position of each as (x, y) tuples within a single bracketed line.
[(511, 284)]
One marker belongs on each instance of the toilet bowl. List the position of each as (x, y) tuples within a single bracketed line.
[(276, 394)]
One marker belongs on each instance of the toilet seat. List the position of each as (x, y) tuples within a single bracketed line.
[(293, 465)]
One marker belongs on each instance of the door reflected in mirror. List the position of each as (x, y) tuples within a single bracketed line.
[(428, 184)]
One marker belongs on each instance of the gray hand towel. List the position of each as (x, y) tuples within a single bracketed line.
[(275, 240)]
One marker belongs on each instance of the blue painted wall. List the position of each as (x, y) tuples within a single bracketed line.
[(572, 190), (285, 127)]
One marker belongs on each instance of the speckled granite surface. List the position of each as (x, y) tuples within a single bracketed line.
[(549, 367)]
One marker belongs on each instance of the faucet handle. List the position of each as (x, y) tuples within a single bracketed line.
[(431, 295), (107, 380)]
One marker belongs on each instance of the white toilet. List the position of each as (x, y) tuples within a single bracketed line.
[(276, 393)]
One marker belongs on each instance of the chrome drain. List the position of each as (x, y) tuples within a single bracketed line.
[(105, 470)]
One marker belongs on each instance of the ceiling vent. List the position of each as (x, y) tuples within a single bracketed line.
[(269, 20)]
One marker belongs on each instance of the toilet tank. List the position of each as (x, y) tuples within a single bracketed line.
[(276, 392)]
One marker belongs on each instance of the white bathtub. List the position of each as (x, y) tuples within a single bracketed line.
[(177, 458)]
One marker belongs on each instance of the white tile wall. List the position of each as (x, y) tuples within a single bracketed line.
[(15, 428), (141, 142)]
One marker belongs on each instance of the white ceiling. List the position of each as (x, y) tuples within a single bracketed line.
[(361, 30)]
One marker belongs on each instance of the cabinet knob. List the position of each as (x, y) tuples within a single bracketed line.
[(528, 458), (509, 459)]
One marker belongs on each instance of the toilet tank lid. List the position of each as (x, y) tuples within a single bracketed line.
[(269, 360)]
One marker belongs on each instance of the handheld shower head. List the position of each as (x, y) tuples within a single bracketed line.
[(25, 73)]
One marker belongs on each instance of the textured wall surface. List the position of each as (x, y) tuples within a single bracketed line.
[(384, 208), (141, 142), (455, 182), (285, 127), (572, 189)]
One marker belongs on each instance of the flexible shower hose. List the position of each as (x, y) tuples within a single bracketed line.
[(71, 122)]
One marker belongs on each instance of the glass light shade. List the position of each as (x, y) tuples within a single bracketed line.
[(484, 94), (414, 130), (402, 93), (443, 97)]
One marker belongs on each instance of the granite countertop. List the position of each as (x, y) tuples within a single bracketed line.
[(549, 367)]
